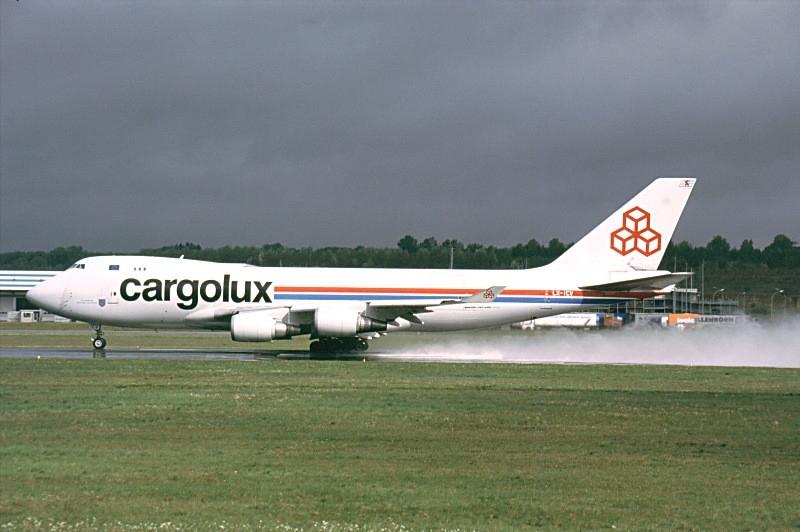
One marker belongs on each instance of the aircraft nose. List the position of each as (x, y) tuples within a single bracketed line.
[(47, 294)]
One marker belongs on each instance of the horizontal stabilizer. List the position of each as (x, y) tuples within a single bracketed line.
[(656, 282)]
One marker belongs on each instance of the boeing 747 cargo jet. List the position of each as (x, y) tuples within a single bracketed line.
[(341, 308)]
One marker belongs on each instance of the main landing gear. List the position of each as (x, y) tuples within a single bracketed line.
[(327, 346), (98, 342)]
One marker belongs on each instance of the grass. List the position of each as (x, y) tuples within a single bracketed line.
[(120, 444)]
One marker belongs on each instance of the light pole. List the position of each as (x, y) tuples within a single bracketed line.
[(744, 302), (714, 295), (771, 299)]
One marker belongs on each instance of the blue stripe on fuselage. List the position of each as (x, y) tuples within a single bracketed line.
[(322, 296)]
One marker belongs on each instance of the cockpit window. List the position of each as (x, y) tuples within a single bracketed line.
[(78, 265)]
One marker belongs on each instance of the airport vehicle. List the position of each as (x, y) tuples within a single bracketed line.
[(340, 308)]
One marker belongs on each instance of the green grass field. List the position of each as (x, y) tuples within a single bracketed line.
[(121, 444)]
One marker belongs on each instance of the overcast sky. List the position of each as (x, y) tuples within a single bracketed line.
[(128, 125)]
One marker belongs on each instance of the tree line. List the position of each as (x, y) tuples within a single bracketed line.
[(410, 252)]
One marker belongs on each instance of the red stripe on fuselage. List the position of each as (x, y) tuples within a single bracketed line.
[(432, 291), (367, 290)]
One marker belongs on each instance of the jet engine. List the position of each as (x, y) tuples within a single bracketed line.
[(342, 322), (260, 326)]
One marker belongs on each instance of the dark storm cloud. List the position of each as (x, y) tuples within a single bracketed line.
[(130, 125)]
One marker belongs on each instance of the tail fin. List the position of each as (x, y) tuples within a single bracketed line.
[(636, 236)]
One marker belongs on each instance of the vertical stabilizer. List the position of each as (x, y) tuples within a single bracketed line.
[(636, 236)]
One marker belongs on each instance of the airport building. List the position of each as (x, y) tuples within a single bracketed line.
[(13, 287)]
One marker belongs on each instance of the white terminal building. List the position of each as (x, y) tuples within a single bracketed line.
[(14, 284)]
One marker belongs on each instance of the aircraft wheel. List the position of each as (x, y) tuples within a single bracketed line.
[(353, 345), (99, 343), (329, 347), (320, 349)]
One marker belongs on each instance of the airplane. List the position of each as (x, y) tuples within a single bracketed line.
[(342, 308)]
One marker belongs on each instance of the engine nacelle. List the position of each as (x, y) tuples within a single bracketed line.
[(343, 322), (260, 326)]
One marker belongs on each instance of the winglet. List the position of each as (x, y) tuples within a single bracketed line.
[(484, 296)]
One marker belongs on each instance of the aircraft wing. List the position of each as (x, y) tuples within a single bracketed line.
[(389, 311), (655, 282), (384, 310)]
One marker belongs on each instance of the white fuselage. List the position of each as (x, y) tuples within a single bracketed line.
[(158, 292)]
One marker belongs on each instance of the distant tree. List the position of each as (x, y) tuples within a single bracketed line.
[(555, 248), (782, 252), (682, 255), (452, 243), (533, 248), (409, 244), (718, 251), (175, 250), (748, 254), (519, 252), (429, 243), (63, 258)]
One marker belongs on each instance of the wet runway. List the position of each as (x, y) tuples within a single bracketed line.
[(777, 346), (176, 354), (211, 354)]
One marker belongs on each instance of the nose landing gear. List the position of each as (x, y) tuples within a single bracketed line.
[(98, 342)]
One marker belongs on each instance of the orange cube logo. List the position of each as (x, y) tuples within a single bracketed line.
[(636, 234)]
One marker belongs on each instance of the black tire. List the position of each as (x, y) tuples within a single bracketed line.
[(322, 349), (99, 343)]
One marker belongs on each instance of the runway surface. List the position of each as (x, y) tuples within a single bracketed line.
[(188, 354), (741, 347)]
